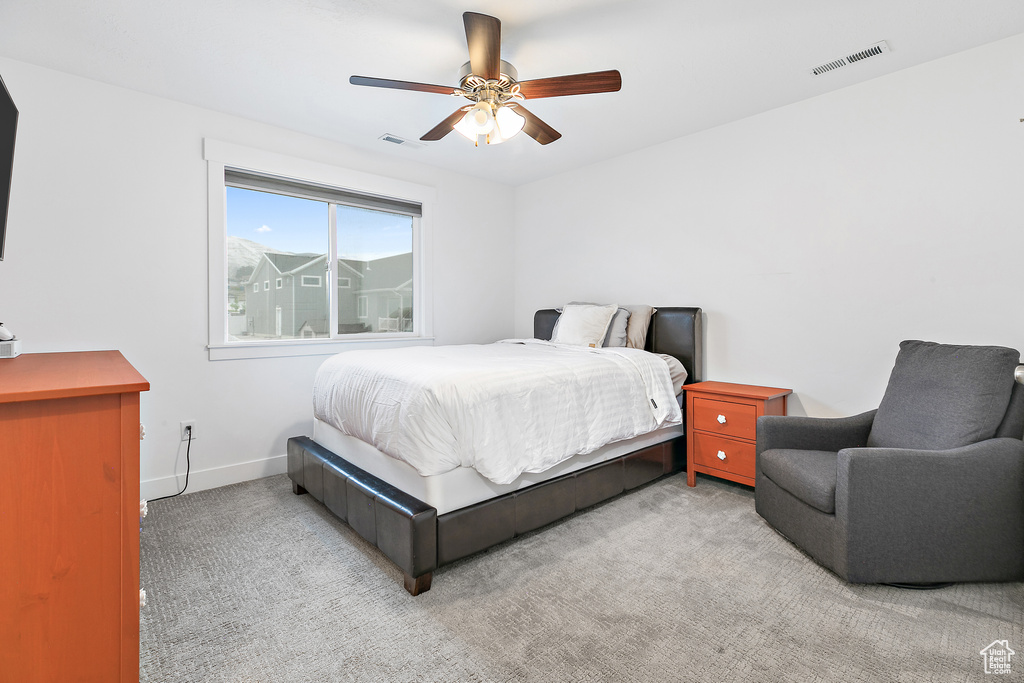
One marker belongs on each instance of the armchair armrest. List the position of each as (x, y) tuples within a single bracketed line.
[(931, 516), (813, 433)]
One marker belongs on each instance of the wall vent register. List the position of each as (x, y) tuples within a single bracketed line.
[(871, 51), (395, 140)]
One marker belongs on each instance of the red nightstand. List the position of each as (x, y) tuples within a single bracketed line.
[(721, 427)]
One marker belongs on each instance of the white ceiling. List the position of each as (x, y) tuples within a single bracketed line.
[(686, 65)]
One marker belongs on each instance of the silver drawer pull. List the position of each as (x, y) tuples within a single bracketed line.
[(721, 419), (721, 455)]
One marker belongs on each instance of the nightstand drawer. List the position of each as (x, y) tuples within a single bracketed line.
[(720, 453), (726, 418)]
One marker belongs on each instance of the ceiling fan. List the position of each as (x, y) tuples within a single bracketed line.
[(492, 84)]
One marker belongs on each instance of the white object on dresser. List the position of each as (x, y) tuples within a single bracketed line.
[(10, 349)]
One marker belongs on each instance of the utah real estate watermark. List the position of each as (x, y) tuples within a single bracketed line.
[(997, 657)]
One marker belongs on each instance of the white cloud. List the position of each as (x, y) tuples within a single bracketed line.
[(265, 228)]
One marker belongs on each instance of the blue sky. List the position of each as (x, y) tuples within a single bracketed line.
[(300, 226)]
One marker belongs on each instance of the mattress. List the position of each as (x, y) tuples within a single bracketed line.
[(445, 407), (464, 486)]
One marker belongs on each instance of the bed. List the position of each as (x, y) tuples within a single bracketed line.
[(423, 522)]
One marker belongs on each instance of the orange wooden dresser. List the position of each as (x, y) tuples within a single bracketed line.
[(69, 517), (721, 427)]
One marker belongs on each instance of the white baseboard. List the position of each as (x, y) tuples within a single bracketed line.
[(200, 480)]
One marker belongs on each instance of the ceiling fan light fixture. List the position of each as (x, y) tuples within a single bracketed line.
[(479, 120), (508, 122)]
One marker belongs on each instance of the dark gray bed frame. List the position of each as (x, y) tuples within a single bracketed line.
[(411, 533)]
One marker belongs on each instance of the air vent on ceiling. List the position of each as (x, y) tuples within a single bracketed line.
[(872, 51), (395, 140)]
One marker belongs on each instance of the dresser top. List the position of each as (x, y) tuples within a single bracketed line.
[(40, 376)]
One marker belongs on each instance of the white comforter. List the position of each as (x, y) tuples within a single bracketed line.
[(504, 409)]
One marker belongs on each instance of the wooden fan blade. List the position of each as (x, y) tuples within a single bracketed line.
[(400, 85), (445, 127), (483, 34), (578, 84), (537, 129)]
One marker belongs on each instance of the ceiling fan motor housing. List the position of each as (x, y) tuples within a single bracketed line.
[(508, 73)]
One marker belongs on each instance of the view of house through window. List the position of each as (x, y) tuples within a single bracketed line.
[(273, 236), (374, 263)]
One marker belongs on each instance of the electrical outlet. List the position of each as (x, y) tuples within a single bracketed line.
[(186, 427)]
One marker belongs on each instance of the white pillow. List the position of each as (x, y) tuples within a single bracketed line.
[(616, 330), (636, 328), (676, 370), (583, 325)]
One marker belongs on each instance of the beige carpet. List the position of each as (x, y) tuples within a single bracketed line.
[(252, 583)]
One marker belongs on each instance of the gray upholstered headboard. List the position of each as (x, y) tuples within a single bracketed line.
[(677, 331)]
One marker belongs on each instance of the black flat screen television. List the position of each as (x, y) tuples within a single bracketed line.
[(8, 130)]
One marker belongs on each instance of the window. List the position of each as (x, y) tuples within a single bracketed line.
[(270, 227), (304, 235)]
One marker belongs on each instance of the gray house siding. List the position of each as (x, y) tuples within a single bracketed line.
[(349, 321), (286, 296), (386, 286), (392, 284), (279, 303)]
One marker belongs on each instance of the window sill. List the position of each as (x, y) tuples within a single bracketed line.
[(324, 347)]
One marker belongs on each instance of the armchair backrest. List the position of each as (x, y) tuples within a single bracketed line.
[(943, 396), (1013, 422)]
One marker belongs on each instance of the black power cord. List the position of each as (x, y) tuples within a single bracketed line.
[(188, 466)]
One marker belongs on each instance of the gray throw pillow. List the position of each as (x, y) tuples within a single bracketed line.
[(943, 396)]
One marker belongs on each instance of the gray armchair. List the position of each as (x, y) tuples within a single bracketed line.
[(928, 488)]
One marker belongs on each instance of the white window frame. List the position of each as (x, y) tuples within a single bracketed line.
[(344, 283), (280, 283), (255, 288), (362, 306), (218, 155), (317, 281)]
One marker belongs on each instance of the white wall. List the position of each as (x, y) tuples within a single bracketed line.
[(816, 236), (107, 248)]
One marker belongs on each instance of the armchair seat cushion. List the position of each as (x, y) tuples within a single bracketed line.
[(809, 476)]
